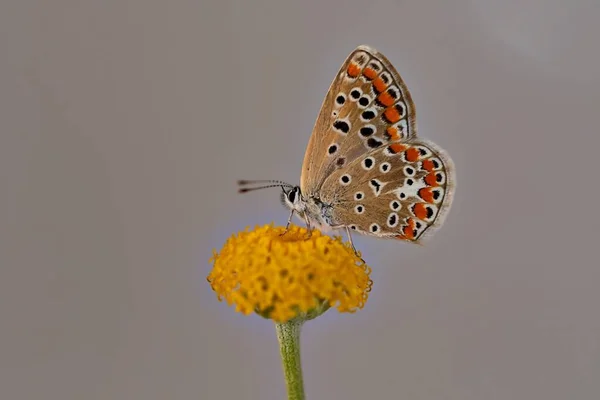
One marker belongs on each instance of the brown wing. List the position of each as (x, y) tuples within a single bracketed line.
[(367, 106), (402, 190)]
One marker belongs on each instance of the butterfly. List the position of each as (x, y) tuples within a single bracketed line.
[(365, 169)]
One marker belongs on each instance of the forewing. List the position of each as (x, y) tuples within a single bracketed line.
[(367, 106), (402, 190)]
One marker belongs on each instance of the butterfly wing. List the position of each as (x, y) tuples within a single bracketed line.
[(367, 106), (402, 190)]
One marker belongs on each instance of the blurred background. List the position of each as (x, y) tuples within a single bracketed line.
[(125, 125)]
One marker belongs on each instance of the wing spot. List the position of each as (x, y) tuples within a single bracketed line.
[(369, 73), (364, 101), (375, 65), (392, 220), (376, 185), (359, 209), (367, 115), (367, 130), (396, 132), (355, 93), (341, 126), (374, 228), (395, 148), (409, 171), (332, 149), (340, 161), (411, 154), (430, 179), (387, 98), (385, 167), (359, 195), (393, 114), (353, 70), (374, 143), (345, 179), (381, 82), (419, 210), (423, 151), (340, 99), (395, 205), (368, 163)]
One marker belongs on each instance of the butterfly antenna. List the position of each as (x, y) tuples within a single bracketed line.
[(270, 184)]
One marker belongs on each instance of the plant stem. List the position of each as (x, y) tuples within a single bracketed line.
[(288, 334)]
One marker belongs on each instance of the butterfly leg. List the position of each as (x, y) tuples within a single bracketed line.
[(287, 226), (352, 244), (309, 234)]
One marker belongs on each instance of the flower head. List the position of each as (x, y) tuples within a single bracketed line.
[(286, 276)]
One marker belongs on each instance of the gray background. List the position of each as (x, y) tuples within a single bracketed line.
[(125, 124)]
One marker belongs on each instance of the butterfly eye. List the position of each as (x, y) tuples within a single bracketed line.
[(292, 196)]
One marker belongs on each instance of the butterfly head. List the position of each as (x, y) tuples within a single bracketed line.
[(291, 196)]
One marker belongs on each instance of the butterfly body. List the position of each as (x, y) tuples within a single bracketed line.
[(365, 169)]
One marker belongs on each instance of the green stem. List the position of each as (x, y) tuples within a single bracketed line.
[(288, 334)]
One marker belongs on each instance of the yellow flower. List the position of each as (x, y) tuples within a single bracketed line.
[(285, 276)]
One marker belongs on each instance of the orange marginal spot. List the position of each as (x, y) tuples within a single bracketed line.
[(428, 165), (369, 73), (411, 154), (400, 237), (353, 70), (397, 147), (430, 179), (392, 132), (420, 211), (386, 99), (426, 194), (379, 84), (409, 229), (392, 115)]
